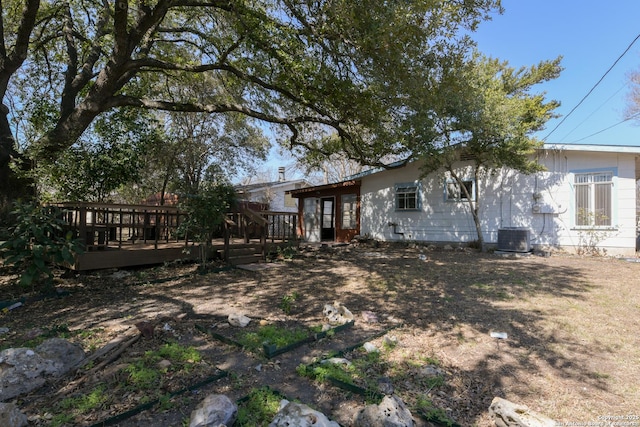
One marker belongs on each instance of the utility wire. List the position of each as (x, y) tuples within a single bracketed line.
[(605, 129), (593, 88), (564, 138)]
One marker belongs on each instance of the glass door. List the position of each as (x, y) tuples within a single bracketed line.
[(327, 219)]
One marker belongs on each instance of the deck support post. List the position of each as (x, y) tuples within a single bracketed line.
[(227, 236)]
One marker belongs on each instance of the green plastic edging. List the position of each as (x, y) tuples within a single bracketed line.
[(183, 276), (131, 412), (271, 350), (271, 390), (374, 393), (361, 343), (364, 392), (218, 336), (5, 304), (40, 297)]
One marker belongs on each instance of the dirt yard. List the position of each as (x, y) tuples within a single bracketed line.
[(572, 350)]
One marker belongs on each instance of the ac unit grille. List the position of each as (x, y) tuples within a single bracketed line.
[(514, 239)]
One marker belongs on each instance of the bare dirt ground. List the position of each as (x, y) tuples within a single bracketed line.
[(572, 350)]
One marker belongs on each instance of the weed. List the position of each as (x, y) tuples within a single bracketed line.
[(73, 406), (176, 353), (434, 381), (271, 334), (164, 402), (258, 409), (590, 238), (432, 361), (339, 372), (287, 302), (599, 376), (288, 252), (143, 377), (389, 344), (61, 419), (427, 409)]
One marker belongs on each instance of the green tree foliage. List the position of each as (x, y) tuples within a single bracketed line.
[(311, 69), (38, 238), (206, 212), (102, 161), (490, 115)]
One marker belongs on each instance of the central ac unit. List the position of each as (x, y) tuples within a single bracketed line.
[(514, 239)]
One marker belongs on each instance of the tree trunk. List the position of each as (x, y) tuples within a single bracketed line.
[(473, 205), (476, 220), (13, 186)]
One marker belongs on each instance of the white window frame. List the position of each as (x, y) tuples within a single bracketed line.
[(585, 184), (404, 193), (459, 194)]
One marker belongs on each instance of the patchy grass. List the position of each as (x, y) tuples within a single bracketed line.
[(271, 334), (571, 351), (258, 409)]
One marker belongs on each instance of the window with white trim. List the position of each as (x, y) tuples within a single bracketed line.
[(593, 199), (453, 191), (407, 197)]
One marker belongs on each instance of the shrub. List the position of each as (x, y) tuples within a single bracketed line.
[(37, 238)]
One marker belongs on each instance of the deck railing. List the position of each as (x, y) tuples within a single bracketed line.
[(281, 225), (102, 225), (251, 224), (106, 226)]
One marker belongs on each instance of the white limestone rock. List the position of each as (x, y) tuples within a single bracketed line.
[(215, 410), (293, 414)]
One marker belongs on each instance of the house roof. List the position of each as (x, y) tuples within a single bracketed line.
[(262, 185), (355, 179), (630, 149), (300, 191)]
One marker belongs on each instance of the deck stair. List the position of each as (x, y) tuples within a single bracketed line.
[(245, 254)]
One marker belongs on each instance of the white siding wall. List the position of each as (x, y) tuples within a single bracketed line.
[(506, 200), (276, 196)]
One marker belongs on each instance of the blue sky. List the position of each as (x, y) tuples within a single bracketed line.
[(590, 36)]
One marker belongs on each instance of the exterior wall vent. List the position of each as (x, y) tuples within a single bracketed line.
[(514, 239)]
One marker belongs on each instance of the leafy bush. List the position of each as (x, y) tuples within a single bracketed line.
[(38, 237), (205, 213)]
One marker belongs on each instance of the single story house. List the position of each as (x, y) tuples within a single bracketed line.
[(587, 198), (274, 196)]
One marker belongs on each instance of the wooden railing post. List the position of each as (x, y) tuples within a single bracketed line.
[(227, 235)]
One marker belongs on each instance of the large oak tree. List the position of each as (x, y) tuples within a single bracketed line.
[(310, 67)]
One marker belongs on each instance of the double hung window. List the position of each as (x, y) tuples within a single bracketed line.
[(593, 199)]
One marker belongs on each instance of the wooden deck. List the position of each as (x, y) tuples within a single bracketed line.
[(116, 236), (149, 254)]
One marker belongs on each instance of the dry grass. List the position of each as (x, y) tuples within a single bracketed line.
[(572, 352)]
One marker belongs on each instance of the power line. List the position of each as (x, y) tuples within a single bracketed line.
[(605, 129), (593, 88), (564, 138)]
